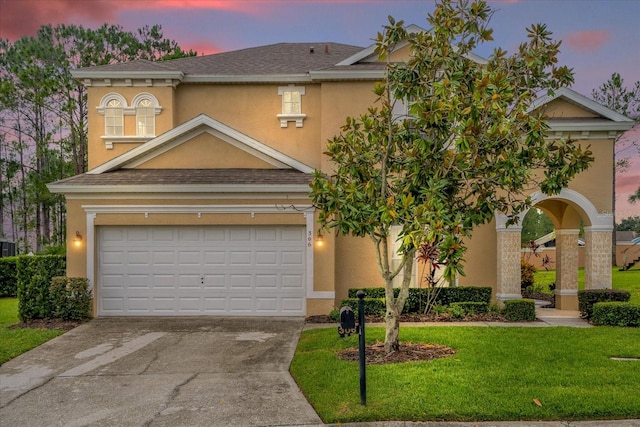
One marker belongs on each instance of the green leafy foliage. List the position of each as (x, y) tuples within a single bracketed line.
[(470, 145), (8, 278), (471, 307), (34, 275), (631, 223), (527, 274), (43, 111), (535, 224), (520, 310), (587, 298), (417, 298), (616, 314), (70, 298)]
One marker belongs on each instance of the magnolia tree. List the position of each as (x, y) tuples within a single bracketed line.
[(469, 146)]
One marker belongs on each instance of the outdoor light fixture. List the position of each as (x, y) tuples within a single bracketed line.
[(320, 239), (77, 241)]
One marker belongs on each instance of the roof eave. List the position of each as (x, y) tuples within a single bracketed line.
[(98, 74), (252, 78), (95, 190), (347, 75)]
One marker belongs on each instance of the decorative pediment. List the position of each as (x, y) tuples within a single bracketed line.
[(191, 132)]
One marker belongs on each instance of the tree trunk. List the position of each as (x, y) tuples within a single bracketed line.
[(396, 305), (391, 338)]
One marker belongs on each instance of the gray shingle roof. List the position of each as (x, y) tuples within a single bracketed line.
[(124, 177), (280, 58)]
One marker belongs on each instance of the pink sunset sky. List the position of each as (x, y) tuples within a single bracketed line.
[(599, 36)]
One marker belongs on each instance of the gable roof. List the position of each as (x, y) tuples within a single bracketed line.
[(607, 124), (186, 131), (281, 62), (581, 101)]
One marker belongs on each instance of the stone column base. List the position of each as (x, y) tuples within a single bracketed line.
[(567, 301)]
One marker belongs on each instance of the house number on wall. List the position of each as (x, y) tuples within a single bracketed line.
[(309, 239)]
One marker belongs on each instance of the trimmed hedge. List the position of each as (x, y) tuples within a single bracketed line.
[(416, 301), (520, 310), (616, 314), (371, 305), (8, 277), (34, 274), (70, 298), (589, 297)]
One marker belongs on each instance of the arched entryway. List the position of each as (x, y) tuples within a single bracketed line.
[(568, 210)]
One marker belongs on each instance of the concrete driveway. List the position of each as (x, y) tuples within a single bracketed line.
[(159, 372)]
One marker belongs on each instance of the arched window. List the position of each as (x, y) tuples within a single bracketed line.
[(113, 118), (145, 118), (147, 108), (113, 107)]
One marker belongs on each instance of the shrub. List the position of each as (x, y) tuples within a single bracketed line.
[(527, 272), (520, 310), (456, 311), (8, 277), (70, 298), (587, 298), (453, 294), (34, 275), (616, 314), (371, 305), (472, 307), (416, 301)]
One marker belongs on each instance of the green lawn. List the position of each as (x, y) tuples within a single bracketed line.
[(14, 342), (495, 375), (628, 280)]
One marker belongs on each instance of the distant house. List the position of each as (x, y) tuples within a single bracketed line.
[(196, 199)]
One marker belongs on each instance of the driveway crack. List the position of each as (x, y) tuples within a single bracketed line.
[(28, 391), (172, 396)]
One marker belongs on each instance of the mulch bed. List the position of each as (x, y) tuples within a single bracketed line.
[(64, 325), (408, 352)]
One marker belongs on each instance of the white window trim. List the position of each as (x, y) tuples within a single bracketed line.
[(103, 107), (286, 118), (144, 95), (127, 110)]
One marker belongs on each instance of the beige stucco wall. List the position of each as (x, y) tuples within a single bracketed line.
[(480, 260), (98, 153), (253, 110), (205, 151)]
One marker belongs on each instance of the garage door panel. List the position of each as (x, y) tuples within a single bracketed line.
[(266, 258), (215, 281), (194, 270), (292, 281), (240, 258), (186, 258), (215, 258), (240, 234)]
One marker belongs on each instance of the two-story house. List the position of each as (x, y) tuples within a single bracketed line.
[(196, 198)]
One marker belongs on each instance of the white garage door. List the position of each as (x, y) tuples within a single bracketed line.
[(201, 270)]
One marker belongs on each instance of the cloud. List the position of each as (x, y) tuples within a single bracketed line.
[(202, 47), (586, 41), (23, 17)]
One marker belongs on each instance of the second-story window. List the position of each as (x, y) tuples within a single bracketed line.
[(145, 118), (113, 107), (114, 123)]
